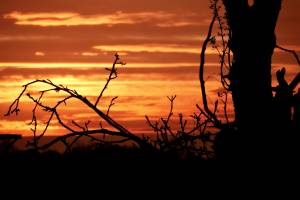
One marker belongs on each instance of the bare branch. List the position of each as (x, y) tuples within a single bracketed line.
[(182, 140), (84, 133), (62, 123), (79, 126), (294, 82), (111, 104), (112, 75), (72, 94), (225, 50), (150, 123), (14, 107), (69, 146), (289, 51), (34, 121), (225, 106), (201, 72), (47, 109)]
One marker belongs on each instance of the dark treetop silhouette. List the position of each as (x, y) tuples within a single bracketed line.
[(260, 118), (246, 56)]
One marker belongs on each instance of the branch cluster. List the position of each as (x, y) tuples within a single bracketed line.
[(74, 134), (195, 140)]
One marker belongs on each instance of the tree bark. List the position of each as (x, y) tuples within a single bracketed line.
[(252, 42)]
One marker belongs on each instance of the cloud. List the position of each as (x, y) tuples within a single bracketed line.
[(146, 38), (8, 38), (91, 54), (159, 18), (155, 48), (151, 48), (76, 19), (39, 53), (180, 24)]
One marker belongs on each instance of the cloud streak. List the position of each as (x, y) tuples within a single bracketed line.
[(161, 18), (152, 48), (8, 38), (39, 53)]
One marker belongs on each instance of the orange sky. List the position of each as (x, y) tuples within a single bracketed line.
[(71, 41)]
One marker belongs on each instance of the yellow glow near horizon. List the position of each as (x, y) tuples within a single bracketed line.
[(90, 65), (22, 127), (81, 65)]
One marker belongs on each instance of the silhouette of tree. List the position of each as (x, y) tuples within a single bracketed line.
[(252, 42), (260, 118)]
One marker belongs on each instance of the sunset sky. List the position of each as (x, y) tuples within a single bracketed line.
[(72, 41)]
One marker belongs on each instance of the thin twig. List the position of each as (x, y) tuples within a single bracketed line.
[(112, 75), (289, 51), (112, 102), (225, 107)]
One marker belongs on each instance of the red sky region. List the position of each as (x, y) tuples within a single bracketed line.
[(71, 42)]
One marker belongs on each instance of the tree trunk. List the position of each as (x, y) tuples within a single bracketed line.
[(252, 42)]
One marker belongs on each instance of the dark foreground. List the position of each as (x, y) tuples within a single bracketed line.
[(106, 165), (108, 157), (100, 156), (128, 171)]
